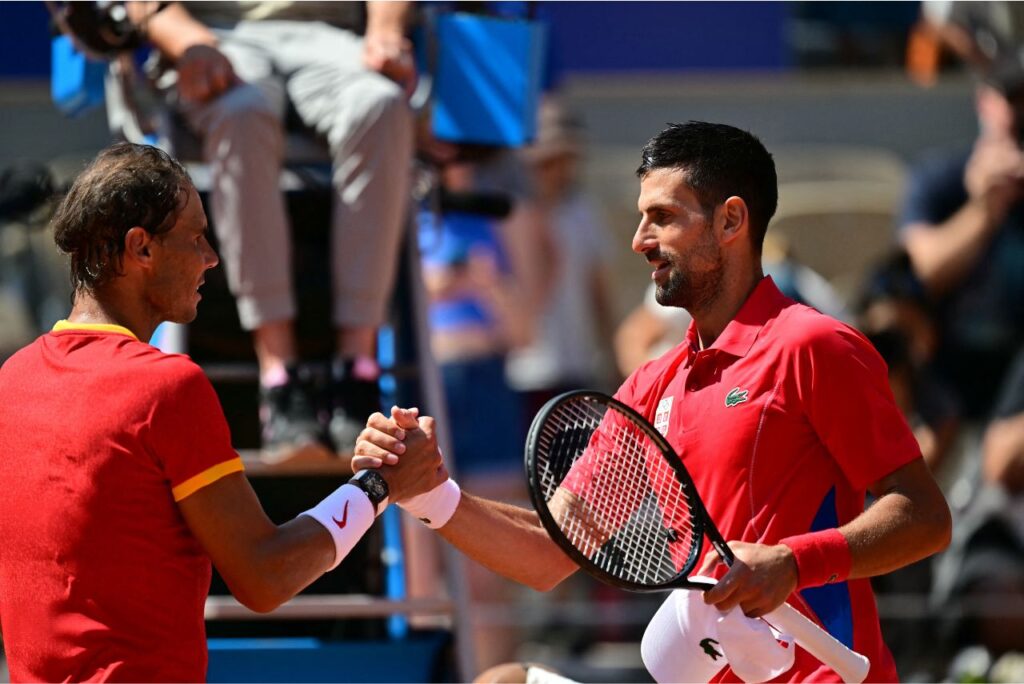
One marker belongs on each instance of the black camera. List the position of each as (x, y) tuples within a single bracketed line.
[(104, 28)]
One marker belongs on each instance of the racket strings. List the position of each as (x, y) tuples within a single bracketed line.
[(629, 514)]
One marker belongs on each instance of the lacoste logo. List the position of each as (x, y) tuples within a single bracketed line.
[(344, 517), (709, 649), (735, 396)]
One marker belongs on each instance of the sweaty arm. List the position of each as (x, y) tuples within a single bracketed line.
[(507, 540), (908, 521), (265, 564)]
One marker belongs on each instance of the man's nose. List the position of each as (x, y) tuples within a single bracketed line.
[(643, 238), (211, 257)]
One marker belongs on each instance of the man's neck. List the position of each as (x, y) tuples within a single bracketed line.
[(720, 312), (90, 308)]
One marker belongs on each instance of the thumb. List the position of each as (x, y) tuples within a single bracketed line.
[(707, 567), (405, 418), (426, 424)]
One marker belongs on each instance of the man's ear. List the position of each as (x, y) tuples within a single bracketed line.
[(138, 244), (735, 219)]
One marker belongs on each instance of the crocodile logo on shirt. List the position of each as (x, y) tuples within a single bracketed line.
[(735, 396), (709, 649)]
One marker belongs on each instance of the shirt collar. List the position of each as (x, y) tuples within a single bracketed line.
[(763, 304), (66, 325)]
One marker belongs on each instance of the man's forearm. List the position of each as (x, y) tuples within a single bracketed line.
[(173, 30), (509, 541), (391, 17), (909, 521), (943, 255)]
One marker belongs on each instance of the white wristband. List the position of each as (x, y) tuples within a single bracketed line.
[(436, 507), (347, 514)]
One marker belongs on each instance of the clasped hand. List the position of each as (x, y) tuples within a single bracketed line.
[(389, 443)]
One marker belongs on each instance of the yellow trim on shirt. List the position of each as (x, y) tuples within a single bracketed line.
[(207, 477), (63, 325)]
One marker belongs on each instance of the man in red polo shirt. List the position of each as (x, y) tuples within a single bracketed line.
[(783, 416), (118, 483)]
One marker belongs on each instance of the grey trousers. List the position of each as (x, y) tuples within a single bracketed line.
[(367, 123)]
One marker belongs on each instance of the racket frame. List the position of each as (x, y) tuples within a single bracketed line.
[(703, 526)]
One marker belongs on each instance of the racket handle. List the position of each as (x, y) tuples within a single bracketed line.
[(848, 664)]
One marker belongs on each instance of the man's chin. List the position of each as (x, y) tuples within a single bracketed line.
[(183, 317), (669, 297)]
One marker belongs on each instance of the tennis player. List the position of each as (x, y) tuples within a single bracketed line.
[(783, 416), (119, 483)]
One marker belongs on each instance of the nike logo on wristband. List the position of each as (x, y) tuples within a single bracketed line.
[(425, 520), (344, 517)]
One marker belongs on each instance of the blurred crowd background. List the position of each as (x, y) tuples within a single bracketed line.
[(896, 131)]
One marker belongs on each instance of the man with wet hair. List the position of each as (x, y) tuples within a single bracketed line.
[(119, 482)]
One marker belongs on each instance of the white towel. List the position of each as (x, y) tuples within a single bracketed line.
[(690, 641)]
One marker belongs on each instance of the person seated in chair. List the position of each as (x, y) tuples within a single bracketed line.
[(345, 68)]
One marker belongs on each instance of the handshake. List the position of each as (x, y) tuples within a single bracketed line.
[(404, 450)]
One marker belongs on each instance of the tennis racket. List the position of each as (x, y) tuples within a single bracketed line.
[(617, 499)]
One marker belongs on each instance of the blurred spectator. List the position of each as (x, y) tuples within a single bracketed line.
[(236, 65), (893, 312), (963, 219), (574, 326), (651, 329)]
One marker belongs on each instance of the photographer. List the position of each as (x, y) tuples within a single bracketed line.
[(963, 228)]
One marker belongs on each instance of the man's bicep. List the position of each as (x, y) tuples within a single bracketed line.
[(916, 514), (227, 519)]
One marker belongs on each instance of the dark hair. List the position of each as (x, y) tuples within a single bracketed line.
[(720, 161), (127, 185)]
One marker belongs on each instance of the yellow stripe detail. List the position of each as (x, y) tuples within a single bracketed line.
[(63, 325), (207, 477)]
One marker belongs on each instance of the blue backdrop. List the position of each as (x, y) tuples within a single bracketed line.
[(586, 36)]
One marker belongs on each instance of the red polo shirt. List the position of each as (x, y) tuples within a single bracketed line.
[(101, 579), (783, 423)]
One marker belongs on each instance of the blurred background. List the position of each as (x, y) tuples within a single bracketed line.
[(872, 112)]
